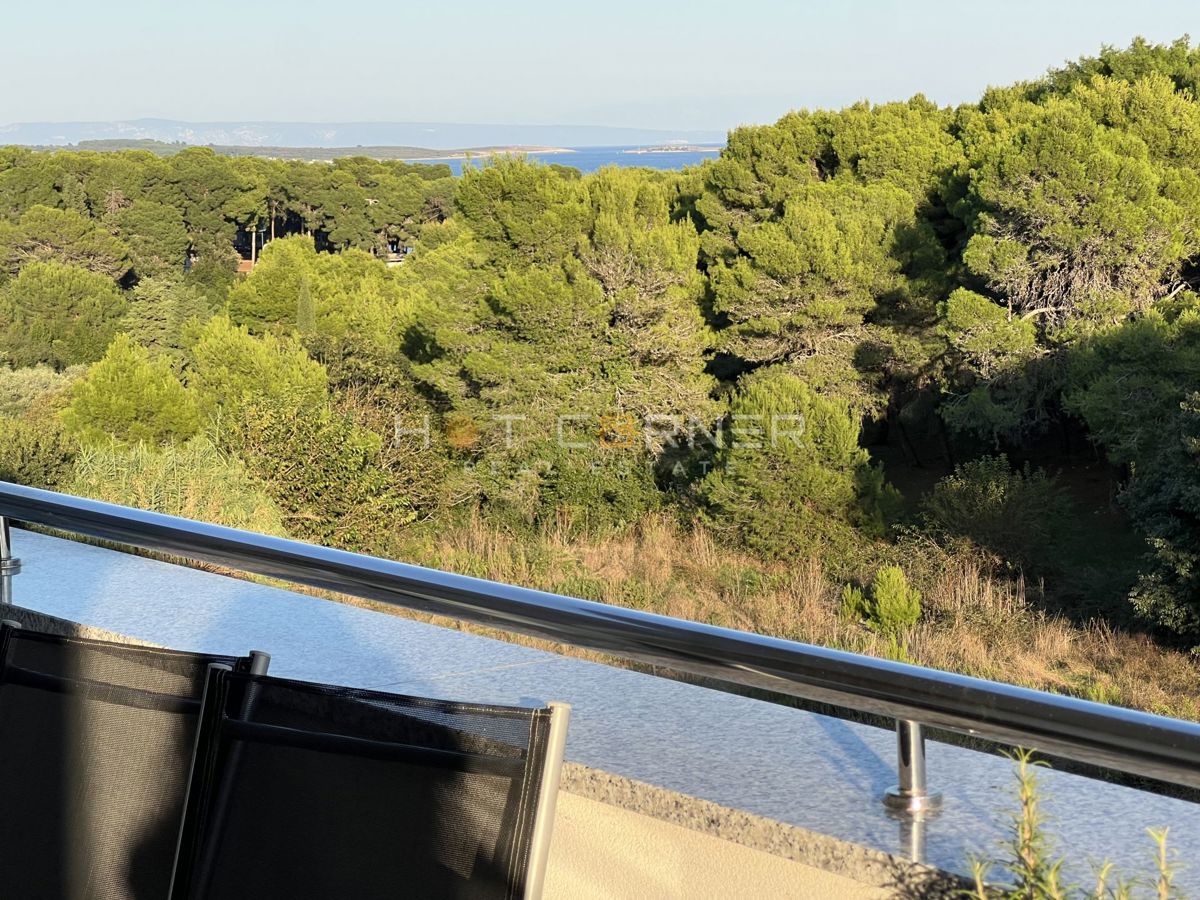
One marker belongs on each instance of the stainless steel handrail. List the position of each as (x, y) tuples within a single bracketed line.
[(1110, 737)]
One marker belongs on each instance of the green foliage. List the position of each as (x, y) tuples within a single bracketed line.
[(63, 236), (1178, 61), (854, 604), (1035, 873), (325, 473), (646, 266), (908, 144), (1018, 514), (195, 480), (610, 332), (29, 179), (58, 315), (791, 477), (22, 390), (589, 491), (208, 191), (808, 273), (895, 605), (1084, 205), (130, 397), (989, 340), (270, 293), (1080, 198), (111, 182), (35, 453), (231, 369), (160, 313), (820, 234), (998, 382), (524, 213), (306, 310), (1134, 386), (891, 606), (349, 299), (157, 237)]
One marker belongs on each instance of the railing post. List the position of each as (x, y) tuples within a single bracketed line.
[(9, 564), (911, 795)]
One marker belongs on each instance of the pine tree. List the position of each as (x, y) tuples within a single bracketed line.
[(58, 314), (130, 397)]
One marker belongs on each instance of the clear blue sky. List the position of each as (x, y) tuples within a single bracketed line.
[(647, 63)]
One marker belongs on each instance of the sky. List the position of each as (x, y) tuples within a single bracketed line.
[(699, 64)]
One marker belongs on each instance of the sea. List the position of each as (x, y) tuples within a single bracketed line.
[(589, 159)]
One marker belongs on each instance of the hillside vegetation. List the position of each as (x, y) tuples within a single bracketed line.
[(916, 381)]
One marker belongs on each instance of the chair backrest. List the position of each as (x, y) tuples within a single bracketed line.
[(96, 744), (304, 790)]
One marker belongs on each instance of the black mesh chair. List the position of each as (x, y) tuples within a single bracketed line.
[(310, 791), (96, 743)]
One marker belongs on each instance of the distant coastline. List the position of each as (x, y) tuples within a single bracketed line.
[(674, 155), (431, 137), (474, 152), (305, 154), (674, 148)]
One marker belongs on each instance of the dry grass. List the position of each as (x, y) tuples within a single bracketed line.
[(972, 622)]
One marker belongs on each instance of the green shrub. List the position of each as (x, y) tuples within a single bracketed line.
[(596, 491), (156, 235), (271, 293), (64, 236), (739, 581), (854, 604), (326, 473), (581, 586), (132, 398), (59, 315), (792, 479), (1017, 514), (896, 650), (1134, 387), (894, 604), (160, 313), (890, 606), (37, 454), (21, 390), (231, 369)]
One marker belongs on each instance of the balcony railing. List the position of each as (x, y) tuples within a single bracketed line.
[(1108, 737)]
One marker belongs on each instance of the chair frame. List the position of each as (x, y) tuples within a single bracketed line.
[(543, 823)]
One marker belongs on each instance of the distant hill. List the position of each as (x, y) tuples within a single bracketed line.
[(162, 148), (341, 135)]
